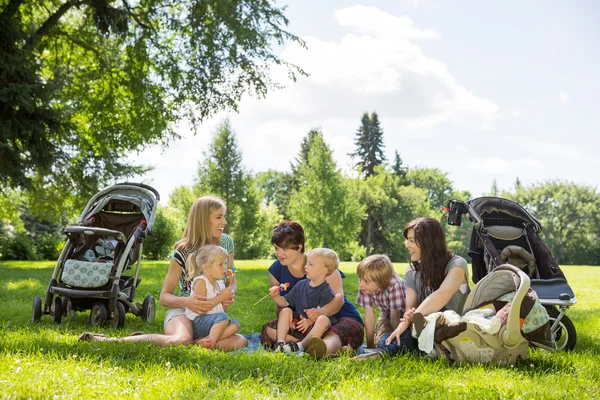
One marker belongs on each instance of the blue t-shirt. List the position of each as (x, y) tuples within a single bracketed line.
[(283, 275), (303, 296)]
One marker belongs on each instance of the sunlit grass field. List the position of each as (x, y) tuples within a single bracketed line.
[(45, 360)]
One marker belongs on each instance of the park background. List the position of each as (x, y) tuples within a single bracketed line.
[(352, 131)]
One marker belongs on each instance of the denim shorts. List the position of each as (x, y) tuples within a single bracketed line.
[(203, 323)]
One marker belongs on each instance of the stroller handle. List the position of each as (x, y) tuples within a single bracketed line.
[(511, 335), (142, 185)]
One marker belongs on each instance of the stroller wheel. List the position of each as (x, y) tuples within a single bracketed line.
[(564, 332), (98, 314), (58, 309), (148, 309), (118, 319), (37, 309), (65, 306)]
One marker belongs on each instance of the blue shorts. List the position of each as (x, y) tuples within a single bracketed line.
[(203, 323)]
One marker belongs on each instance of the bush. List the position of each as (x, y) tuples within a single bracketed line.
[(19, 246), (166, 231), (49, 245)]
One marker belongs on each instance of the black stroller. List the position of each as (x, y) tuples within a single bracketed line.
[(106, 242), (504, 232)]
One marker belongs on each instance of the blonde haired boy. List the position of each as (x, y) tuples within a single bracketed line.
[(380, 286), (312, 292)]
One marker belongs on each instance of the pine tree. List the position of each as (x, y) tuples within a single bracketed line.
[(223, 174), (369, 144), (398, 169), (329, 215)]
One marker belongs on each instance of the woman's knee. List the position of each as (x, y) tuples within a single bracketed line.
[(180, 338)]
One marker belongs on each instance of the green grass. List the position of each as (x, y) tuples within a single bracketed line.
[(45, 360)]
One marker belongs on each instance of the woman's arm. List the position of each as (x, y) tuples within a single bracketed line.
[(438, 299), (196, 303), (274, 282)]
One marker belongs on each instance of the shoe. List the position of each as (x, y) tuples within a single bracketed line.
[(279, 347), (316, 348), (90, 337), (419, 323), (290, 348)]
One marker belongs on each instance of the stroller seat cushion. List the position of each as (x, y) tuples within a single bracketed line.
[(86, 274)]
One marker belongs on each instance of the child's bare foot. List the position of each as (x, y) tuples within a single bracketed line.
[(206, 342)]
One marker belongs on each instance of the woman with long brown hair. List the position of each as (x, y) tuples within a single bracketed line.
[(436, 278)]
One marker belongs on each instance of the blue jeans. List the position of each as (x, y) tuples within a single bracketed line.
[(408, 344), (203, 323)]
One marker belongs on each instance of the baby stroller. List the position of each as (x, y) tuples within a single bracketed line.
[(504, 232), (501, 318), (106, 242)]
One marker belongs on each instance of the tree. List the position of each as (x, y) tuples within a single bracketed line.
[(85, 82), (494, 190), (222, 174), (275, 187), (181, 200), (438, 186), (518, 183), (167, 229), (569, 216), (389, 207), (369, 144), (398, 169), (323, 205)]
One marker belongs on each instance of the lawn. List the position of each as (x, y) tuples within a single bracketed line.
[(45, 360)]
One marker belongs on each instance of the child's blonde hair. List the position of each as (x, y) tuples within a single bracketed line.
[(377, 268), (329, 257), (197, 230), (206, 255)]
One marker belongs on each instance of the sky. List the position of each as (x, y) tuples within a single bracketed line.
[(481, 90)]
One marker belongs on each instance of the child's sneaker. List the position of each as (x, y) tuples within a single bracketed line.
[(291, 347), (279, 347), (316, 348)]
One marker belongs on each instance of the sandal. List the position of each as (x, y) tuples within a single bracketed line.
[(90, 336)]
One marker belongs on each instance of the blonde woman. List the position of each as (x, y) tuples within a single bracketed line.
[(205, 225)]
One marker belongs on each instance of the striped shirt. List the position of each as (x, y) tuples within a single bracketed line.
[(185, 286)]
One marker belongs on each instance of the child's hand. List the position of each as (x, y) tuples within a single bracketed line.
[(313, 313), (304, 324), (228, 293), (274, 291), (408, 315)]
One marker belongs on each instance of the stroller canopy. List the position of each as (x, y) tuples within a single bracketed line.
[(496, 205), (143, 197)]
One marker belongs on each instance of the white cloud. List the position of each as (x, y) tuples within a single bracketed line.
[(375, 71), (563, 97), (371, 20), (492, 166), (518, 113), (501, 166), (462, 148)]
